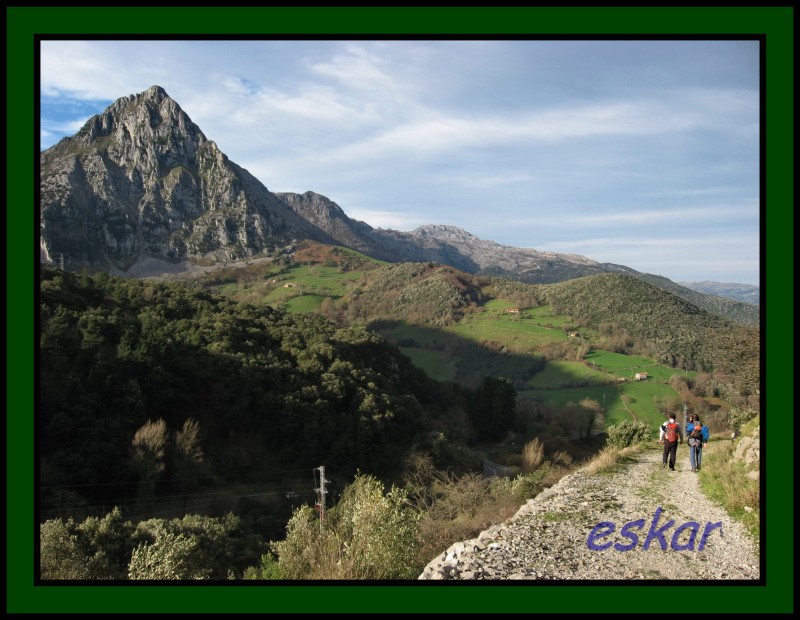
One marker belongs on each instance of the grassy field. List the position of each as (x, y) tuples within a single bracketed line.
[(435, 363), (520, 334), (544, 315), (424, 337), (567, 374), (302, 304), (628, 365), (626, 401), (560, 382), (278, 286)]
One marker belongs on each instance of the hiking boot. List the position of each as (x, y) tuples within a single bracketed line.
[(693, 469)]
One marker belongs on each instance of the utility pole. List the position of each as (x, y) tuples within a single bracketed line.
[(685, 415), (61, 261), (321, 491)]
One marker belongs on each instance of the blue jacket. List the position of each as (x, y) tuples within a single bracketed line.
[(704, 430)]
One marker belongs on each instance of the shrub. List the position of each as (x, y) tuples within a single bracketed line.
[(97, 548), (367, 535), (737, 417), (528, 486), (269, 568), (171, 556), (60, 552), (628, 433)]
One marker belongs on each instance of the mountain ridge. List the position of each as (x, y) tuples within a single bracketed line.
[(140, 183)]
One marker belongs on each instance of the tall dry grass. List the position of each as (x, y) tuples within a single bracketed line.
[(532, 455)]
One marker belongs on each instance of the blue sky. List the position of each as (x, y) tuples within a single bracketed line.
[(641, 153)]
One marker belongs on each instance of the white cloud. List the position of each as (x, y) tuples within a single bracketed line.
[(68, 127), (378, 218), (486, 180), (356, 68)]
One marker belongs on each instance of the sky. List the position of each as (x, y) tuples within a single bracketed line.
[(636, 152)]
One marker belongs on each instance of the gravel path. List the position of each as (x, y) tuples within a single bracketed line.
[(549, 537)]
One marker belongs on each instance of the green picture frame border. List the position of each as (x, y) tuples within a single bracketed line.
[(25, 25)]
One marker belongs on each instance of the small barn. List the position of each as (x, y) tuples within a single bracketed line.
[(641, 376)]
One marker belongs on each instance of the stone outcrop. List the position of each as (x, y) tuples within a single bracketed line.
[(749, 450)]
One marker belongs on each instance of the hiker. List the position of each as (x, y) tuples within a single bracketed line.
[(689, 426), (670, 434), (697, 438)]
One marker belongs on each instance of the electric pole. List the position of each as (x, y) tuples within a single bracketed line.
[(685, 415), (321, 492), (61, 261)]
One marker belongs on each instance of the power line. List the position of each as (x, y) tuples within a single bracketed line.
[(169, 480), (220, 494), (199, 500)]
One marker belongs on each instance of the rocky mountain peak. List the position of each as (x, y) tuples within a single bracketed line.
[(443, 232), (141, 181), (152, 113)]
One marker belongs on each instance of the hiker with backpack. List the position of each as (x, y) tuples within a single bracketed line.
[(697, 437), (670, 434)]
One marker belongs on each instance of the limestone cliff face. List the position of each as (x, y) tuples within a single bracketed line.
[(141, 179)]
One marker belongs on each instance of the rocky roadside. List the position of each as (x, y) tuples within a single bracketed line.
[(640, 522)]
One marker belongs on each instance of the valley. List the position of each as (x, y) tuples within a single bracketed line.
[(549, 358)]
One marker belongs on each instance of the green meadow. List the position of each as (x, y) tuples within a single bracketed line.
[(287, 288), (628, 365), (518, 333), (562, 374), (435, 363), (303, 304), (637, 400)]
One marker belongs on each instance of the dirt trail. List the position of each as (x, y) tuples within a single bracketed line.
[(551, 536)]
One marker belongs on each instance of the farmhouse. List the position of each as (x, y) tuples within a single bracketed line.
[(641, 376), (513, 310), (574, 335), (289, 285)]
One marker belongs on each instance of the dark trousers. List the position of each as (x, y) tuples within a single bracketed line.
[(670, 450)]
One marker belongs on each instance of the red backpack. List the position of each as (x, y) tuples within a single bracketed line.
[(671, 432)]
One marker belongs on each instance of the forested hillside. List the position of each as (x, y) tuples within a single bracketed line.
[(661, 325), (153, 383), (629, 315)]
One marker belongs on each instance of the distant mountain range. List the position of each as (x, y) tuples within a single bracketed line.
[(141, 183), (746, 293)]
